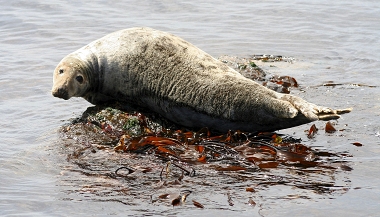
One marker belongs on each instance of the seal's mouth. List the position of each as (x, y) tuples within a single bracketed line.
[(61, 93)]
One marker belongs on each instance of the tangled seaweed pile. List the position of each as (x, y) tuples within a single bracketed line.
[(110, 144), (143, 160)]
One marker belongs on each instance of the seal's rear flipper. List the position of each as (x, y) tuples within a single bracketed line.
[(343, 111), (335, 114)]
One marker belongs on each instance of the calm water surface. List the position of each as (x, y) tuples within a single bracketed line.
[(331, 41)]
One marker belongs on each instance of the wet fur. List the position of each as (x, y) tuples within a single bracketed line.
[(170, 76)]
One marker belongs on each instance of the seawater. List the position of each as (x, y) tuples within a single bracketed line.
[(330, 42)]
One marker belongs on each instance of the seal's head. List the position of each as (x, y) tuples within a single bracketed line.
[(70, 79)]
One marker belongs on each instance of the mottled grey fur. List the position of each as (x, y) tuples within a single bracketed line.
[(166, 74)]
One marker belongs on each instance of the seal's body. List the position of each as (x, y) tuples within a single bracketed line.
[(164, 73)]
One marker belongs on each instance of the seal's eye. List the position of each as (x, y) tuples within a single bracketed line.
[(60, 71), (79, 79)]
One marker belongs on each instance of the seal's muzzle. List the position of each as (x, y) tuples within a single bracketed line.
[(61, 93)]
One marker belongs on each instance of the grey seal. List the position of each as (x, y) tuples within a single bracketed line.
[(168, 75)]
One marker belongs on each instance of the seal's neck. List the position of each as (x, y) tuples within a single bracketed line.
[(94, 73)]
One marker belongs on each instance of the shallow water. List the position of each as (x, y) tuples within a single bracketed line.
[(329, 41)]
